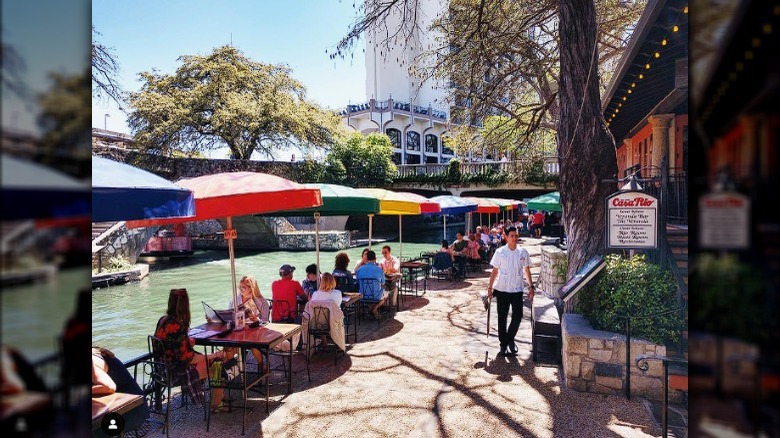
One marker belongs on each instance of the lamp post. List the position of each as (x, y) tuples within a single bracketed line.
[(105, 123)]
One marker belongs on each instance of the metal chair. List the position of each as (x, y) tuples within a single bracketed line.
[(282, 310), (371, 288), (346, 284), (285, 314), (163, 379), (319, 325), (442, 266)]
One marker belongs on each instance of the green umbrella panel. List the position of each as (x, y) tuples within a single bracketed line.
[(548, 202)]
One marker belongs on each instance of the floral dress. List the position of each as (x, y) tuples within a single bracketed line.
[(178, 353)]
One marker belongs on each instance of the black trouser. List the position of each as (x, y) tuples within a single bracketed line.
[(503, 301)]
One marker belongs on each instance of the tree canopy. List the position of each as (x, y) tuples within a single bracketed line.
[(105, 68), (226, 99), (366, 161)]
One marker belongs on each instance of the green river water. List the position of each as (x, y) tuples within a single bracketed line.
[(123, 316)]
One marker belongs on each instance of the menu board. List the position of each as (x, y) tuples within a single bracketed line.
[(724, 221), (632, 220), (582, 277)]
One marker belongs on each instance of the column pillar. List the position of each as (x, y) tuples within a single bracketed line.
[(661, 124)]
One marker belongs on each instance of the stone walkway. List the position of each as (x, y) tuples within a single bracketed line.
[(431, 372)]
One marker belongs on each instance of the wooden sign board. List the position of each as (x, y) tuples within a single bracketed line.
[(632, 220)]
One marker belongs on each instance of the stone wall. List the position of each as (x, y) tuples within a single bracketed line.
[(304, 240), (595, 361), (550, 281), (122, 242), (737, 362)]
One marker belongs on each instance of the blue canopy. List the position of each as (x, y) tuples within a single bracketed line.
[(454, 204), (123, 192), (33, 191)]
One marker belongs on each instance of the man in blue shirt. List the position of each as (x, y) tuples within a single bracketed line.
[(372, 279)]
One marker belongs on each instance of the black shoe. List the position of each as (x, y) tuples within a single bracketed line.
[(503, 351), (513, 348)]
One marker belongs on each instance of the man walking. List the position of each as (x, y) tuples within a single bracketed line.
[(509, 263)]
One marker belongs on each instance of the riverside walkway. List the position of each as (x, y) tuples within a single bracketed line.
[(431, 372)]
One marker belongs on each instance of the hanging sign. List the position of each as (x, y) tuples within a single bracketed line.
[(632, 220), (724, 221)]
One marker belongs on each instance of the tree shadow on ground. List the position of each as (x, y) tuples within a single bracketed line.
[(414, 303)]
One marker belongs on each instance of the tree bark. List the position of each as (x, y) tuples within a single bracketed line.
[(586, 149)]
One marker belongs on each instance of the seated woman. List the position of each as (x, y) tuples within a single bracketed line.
[(190, 367), (445, 247), (342, 275), (328, 295), (363, 260), (255, 308), (109, 375)]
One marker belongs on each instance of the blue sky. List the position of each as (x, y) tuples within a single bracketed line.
[(146, 35)]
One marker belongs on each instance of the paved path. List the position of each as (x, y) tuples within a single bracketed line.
[(432, 372)]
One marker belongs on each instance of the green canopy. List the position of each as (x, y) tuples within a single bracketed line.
[(548, 201), (337, 200)]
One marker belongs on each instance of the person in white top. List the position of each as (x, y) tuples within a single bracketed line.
[(509, 263), (389, 264), (327, 290)]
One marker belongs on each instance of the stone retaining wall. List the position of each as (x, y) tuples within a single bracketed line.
[(595, 360), (550, 282), (737, 362), (124, 243), (304, 240)]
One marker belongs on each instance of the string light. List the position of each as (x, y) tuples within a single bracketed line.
[(657, 55), (624, 97), (739, 66), (685, 10), (675, 28), (767, 29), (663, 42), (647, 66), (641, 76), (633, 84), (629, 91), (749, 55), (756, 43)]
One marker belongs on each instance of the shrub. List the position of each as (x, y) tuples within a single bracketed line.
[(454, 172), (633, 287)]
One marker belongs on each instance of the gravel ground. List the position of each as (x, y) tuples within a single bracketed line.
[(431, 372)]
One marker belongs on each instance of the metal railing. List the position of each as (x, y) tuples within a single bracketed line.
[(509, 167), (641, 363)]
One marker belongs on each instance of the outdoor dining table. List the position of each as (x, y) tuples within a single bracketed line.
[(413, 269), (263, 338), (118, 402)]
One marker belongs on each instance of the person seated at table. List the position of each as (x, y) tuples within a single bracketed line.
[(363, 260), (327, 290), (309, 284), (288, 291), (190, 367), (372, 273), (342, 275), (459, 249), (109, 375), (255, 307), (473, 248), (24, 393), (389, 263), (445, 247)]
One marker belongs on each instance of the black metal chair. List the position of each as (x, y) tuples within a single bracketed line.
[(346, 284), (285, 315), (368, 287), (318, 326), (282, 310), (442, 266), (164, 378)]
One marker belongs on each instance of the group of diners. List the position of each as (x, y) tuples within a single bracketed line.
[(192, 367)]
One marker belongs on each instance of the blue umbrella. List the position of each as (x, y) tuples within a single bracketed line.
[(453, 205), (122, 192), (33, 191)]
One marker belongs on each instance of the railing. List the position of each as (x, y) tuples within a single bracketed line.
[(384, 105), (641, 363), (509, 167)]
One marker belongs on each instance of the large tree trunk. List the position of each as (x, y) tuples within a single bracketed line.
[(586, 149)]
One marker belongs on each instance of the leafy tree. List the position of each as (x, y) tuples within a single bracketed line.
[(105, 68), (498, 52), (366, 161), (65, 115), (225, 98), (12, 67)]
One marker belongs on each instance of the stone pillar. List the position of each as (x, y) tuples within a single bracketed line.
[(661, 124)]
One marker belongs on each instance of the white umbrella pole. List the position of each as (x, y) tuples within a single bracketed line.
[(230, 235), (400, 239), (317, 243), (370, 226)]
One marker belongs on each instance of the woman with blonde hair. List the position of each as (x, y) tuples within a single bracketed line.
[(253, 302), (327, 290)]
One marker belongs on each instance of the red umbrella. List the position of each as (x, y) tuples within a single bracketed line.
[(224, 195)]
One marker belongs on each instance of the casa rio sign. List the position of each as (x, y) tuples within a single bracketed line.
[(632, 220)]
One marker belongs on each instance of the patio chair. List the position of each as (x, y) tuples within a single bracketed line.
[(283, 311), (318, 326), (442, 266), (286, 318), (163, 379), (368, 287), (346, 284)]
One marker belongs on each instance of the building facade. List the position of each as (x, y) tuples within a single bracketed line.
[(413, 112)]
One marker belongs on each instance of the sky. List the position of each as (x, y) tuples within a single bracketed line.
[(146, 35), (49, 36)]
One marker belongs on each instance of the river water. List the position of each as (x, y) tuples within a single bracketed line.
[(123, 316)]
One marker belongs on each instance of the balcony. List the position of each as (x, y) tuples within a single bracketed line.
[(489, 172), (397, 107)]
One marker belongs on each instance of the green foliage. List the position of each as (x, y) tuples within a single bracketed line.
[(117, 264), (454, 174), (735, 301), (226, 99), (533, 173), (65, 116), (362, 161), (561, 268), (633, 287)]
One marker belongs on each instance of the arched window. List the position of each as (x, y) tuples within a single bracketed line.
[(412, 141), (397, 158), (395, 137), (431, 144)]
